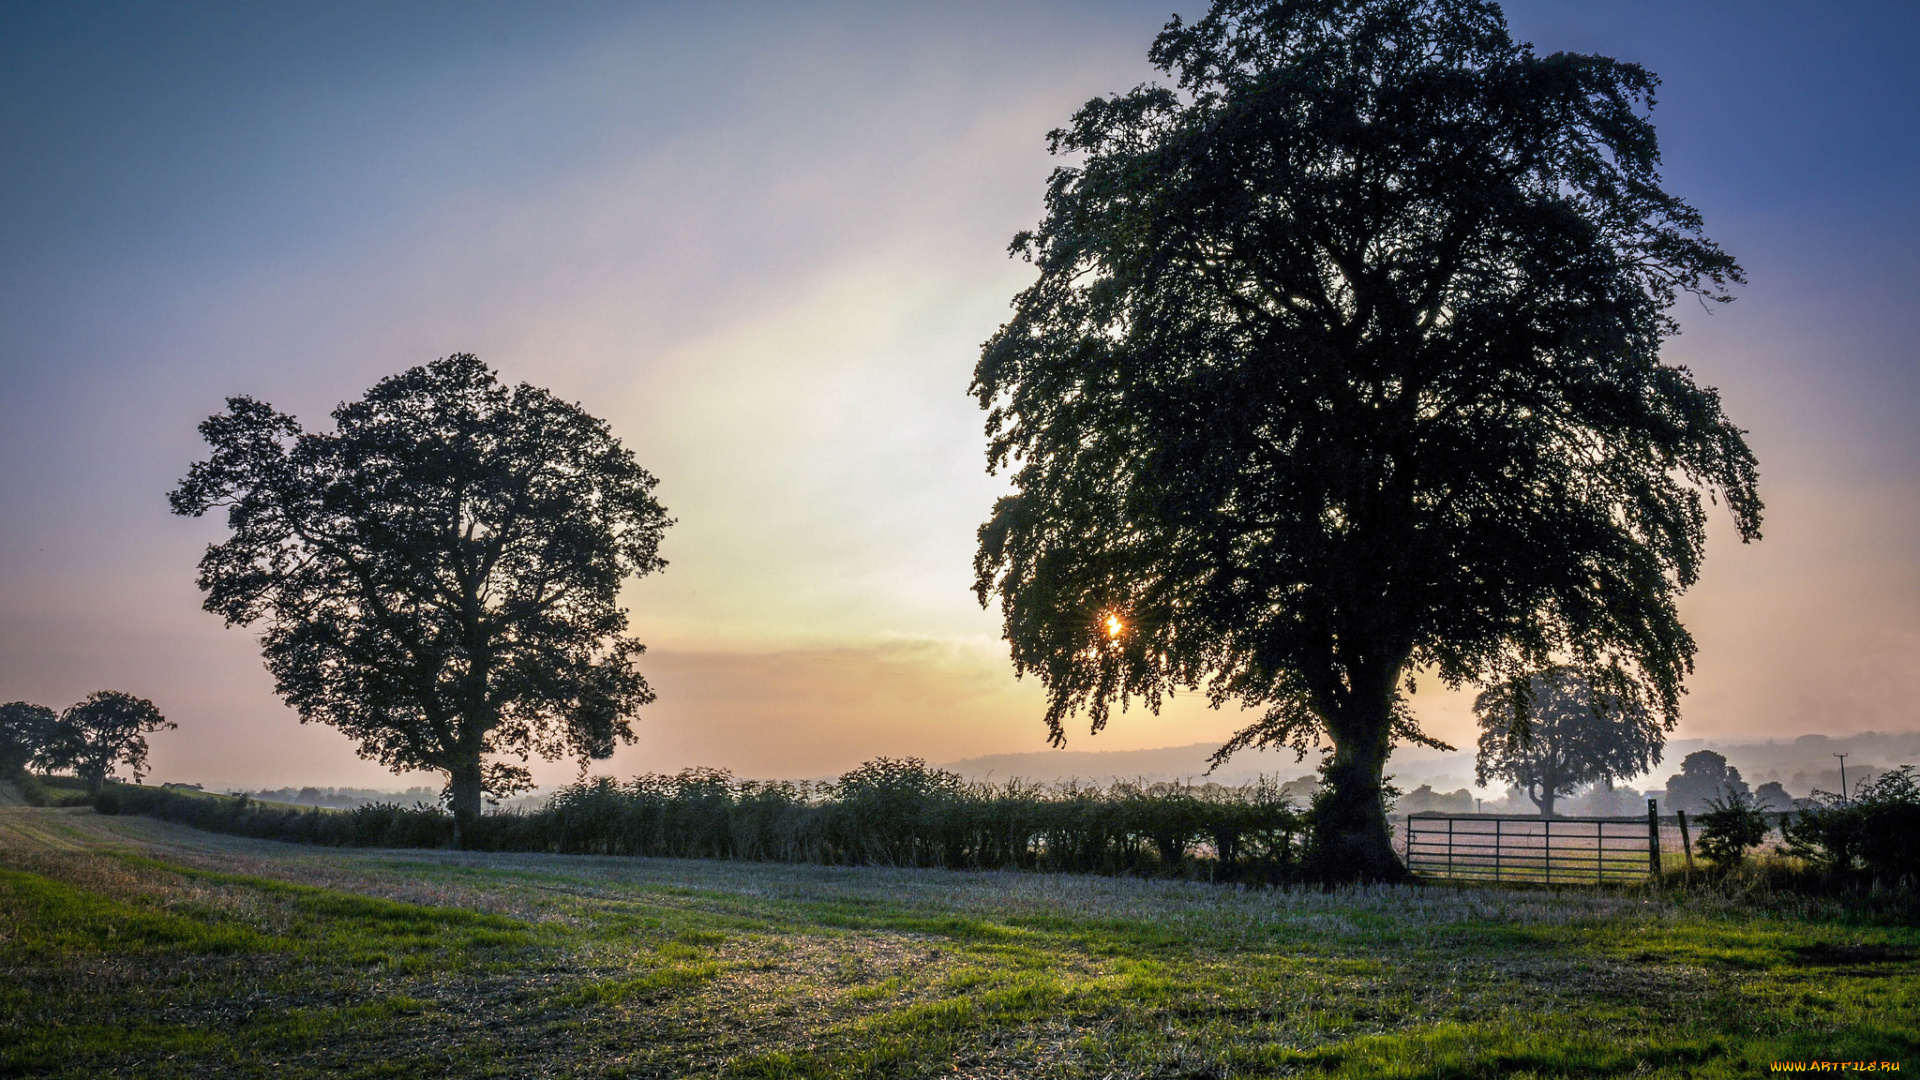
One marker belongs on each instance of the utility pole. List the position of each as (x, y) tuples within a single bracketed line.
[(1844, 796)]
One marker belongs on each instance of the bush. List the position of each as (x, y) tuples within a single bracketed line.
[(107, 802), (38, 790), (886, 812), (1872, 839), (1730, 828)]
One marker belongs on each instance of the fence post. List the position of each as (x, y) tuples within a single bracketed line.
[(1449, 847), (1546, 846), (1496, 849), (1599, 852), (1653, 839), (1686, 840)]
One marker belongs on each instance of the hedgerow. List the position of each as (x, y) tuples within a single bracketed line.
[(885, 813)]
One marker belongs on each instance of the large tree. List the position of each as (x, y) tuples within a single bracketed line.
[(438, 576), (1555, 733), (100, 734), (1343, 363)]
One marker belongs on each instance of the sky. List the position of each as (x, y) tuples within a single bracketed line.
[(765, 242)]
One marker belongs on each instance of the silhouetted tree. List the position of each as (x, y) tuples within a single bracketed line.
[(1343, 361), (99, 734), (1772, 795), (24, 729), (439, 574), (1704, 777), (1553, 734)]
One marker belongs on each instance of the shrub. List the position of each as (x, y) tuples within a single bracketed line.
[(40, 790), (886, 812), (1869, 839), (1731, 827)]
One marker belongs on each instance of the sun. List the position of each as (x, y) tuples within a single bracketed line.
[(1114, 626)]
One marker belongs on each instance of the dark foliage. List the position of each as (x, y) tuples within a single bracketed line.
[(97, 736), (24, 729), (438, 576), (1555, 732), (886, 813), (1871, 839), (1731, 827), (41, 790), (1704, 777), (1344, 360)]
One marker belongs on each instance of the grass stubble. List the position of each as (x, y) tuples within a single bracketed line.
[(132, 947)]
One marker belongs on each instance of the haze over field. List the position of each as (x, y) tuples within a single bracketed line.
[(765, 243)]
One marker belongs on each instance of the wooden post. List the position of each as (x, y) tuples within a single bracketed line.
[(1496, 849), (1686, 840), (1546, 846), (1599, 852), (1653, 839), (1449, 847)]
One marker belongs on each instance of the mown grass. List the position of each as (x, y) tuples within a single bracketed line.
[(137, 948)]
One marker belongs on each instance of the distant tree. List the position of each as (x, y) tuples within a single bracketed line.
[(1424, 799), (1772, 795), (1343, 361), (1605, 799), (24, 729), (1555, 733), (1704, 777), (99, 734), (439, 575)]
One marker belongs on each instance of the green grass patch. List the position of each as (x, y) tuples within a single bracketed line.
[(246, 960), (41, 918)]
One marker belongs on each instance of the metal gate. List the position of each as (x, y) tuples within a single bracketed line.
[(1512, 847)]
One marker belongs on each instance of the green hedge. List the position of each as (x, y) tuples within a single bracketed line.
[(890, 813), (1870, 839)]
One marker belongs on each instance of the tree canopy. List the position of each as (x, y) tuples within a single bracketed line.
[(1704, 777), (1343, 362), (1554, 733), (96, 736), (24, 729), (438, 576)]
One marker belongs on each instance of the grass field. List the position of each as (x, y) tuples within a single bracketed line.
[(132, 947)]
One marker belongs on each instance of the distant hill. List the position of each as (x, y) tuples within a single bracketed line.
[(1801, 764), (343, 798), (1153, 766)]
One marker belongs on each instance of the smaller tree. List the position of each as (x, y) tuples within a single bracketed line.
[(1730, 828), (1556, 731), (24, 729), (1704, 777), (99, 734)]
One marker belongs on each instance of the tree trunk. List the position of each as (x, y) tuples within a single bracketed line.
[(95, 781), (1351, 841), (466, 793), (1544, 801)]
